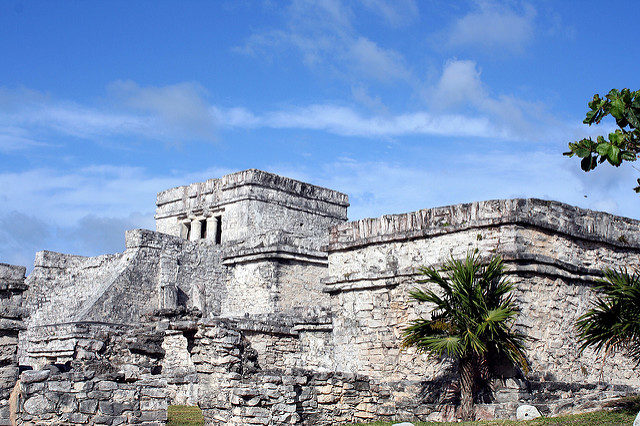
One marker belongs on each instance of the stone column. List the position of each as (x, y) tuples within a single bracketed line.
[(195, 230), (184, 230), (168, 297), (167, 275), (212, 228)]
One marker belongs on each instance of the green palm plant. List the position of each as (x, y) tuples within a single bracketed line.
[(472, 320), (613, 322)]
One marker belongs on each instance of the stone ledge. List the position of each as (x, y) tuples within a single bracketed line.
[(550, 215), (13, 285), (518, 264), (257, 178), (280, 324), (139, 238), (276, 251), (12, 324), (55, 260), (220, 204), (9, 273)]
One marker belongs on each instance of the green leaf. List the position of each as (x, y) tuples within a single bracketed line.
[(588, 163), (614, 156), (615, 137), (632, 118), (603, 148), (582, 152), (617, 108)]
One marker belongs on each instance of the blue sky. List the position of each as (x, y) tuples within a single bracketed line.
[(400, 104)]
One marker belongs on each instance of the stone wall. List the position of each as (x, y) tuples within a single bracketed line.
[(237, 388), (107, 376), (85, 397), (121, 288), (251, 201), (553, 254), (11, 324)]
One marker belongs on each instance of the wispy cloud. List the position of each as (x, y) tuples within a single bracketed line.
[(493, 26), (174, 114), (346, 121), (396, 13), (103, 190), (325, 37), (16, 139), (399, 187), (181, 108), (457, 104), (460, 88), (84, 211)]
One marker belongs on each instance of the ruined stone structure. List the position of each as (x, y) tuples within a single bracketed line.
[(258, 302)]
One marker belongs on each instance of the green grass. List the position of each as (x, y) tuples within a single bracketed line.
[(184, 415), (620, 412)]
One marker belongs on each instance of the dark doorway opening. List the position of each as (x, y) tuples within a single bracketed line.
[(203, 229), (218, 229)]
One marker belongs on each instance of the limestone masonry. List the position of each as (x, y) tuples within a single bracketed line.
[(256, 300)]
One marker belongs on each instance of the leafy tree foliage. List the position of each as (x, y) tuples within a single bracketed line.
[(623, 144), (471, 322), (613, 322)]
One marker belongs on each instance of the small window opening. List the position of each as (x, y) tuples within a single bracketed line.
[(203, 229), (218, 229), (188, 233)]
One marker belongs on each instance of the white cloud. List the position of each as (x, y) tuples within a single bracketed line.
[(181, 107), (323, 34), (369, 59), (346, 121), (460, 89), (83, 212), (459, 85), (493, 26), (460, 105), (85, 122), (16, 139), (174, 113), (374, 103), (396, 13), (398, 188), (102, 190)]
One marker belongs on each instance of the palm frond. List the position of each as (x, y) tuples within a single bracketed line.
[(441, 345), (473, 313), (613, 321)]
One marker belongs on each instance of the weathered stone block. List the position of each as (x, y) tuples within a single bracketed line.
[(32, 376), (89, 406), (38, 405)]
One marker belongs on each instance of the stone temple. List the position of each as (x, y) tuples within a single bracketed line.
[(257, 301)]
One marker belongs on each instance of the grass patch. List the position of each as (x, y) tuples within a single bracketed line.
[(184, 415), (621, 412)]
